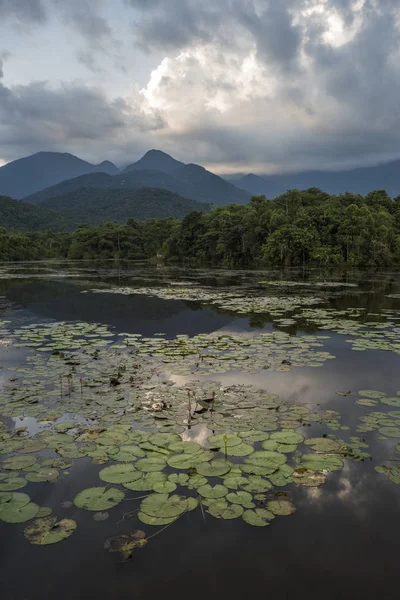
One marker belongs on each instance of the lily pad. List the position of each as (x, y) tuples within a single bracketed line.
[(220, 509), (163, 506), (260, 517), (149, 465), (215, 468), (281, 507), (48, 530), (243, 498), (165, 487), (99, 498), (146, 482), (15, 463), (123, 473), (12, 483), (216, 491)]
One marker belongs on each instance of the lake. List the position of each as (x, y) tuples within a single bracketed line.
[(198, 433)]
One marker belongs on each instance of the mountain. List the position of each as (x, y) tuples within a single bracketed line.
[(189, 181), (360, 181), (259, 186), (15, 214), (155, 160), (95, 206), (39, 171)]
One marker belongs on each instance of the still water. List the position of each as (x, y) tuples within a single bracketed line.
[(343, 539)]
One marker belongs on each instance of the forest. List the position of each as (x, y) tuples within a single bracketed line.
[(297, 228)]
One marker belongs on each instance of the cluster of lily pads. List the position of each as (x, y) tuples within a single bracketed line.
[(236, 301)]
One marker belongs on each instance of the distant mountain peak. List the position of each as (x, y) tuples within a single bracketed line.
[(156, 160)]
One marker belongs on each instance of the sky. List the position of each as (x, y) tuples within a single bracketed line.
[(261, 86)]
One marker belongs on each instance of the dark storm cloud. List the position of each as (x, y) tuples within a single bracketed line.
[(36, 117), (30, 11)]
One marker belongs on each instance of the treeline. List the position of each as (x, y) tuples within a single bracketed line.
[(296, 228)]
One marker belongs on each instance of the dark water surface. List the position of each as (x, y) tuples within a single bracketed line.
[(343, 541)]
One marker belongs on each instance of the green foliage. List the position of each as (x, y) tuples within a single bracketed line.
[(296, 228)]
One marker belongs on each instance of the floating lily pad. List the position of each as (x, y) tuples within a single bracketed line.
[(156, 521), (281, 507), (243, 498), (48, 530), (254, 435), (43, 474), (99, 498), (215, 468), (101, 516), (323, 444), (178, 478), (146, 482), (166, 487), (123, 473), (260, 517), (149, 465), (163, 506), (287, 437), (309, 477), (186, 461), (220, 509), (15, 463), (220, 440), (12, 483), (320, 462), (164, 439), (125, 544), (186, 447), (390, 431), (256, 485), (128, 454), (209, 491), (13, 513)]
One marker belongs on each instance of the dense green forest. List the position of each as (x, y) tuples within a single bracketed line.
[(94, 207), (297, 228)]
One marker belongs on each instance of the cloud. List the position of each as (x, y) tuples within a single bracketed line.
[(71, 118), (27, 11), (242, 84)]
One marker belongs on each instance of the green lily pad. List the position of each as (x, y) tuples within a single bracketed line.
[(371, 394), (164, 439), (146, 482), (390, 431), (243, 498), (254, 435), (186, 447), (320, 462), (14, 513), (260, 517), (163, 506), (165, 487), (322, 444), (309, 478), (222, 439), (122, 473), (178, 478), (186, 461), (256, 485), (15, 463), (220, 509), (240, 450), (128, 454), (281, 507), (149, 465), (215, 468), (209, 491), (44, 511), (99, 498), (125, 544), (48, 530), (156, 521), (233, 482), (43, 474), (391, 401), (287, 437), (12, 483)]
